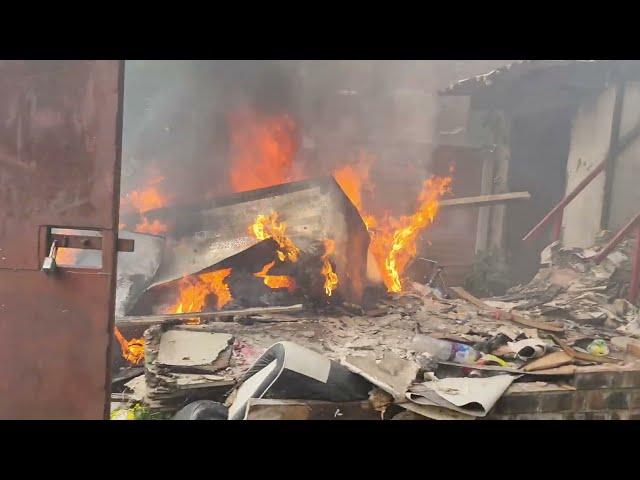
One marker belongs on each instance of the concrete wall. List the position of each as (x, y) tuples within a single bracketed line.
[(625, 196), (590, 136)]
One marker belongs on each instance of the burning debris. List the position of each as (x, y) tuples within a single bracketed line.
[(410, 351), (266, 227), (195, 289), (286, 237), (331, 278), (276, 281), (132, 350)]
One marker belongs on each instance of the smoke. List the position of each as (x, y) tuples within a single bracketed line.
[(176, 120)]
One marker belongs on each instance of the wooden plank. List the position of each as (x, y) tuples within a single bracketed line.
[(183, 317), (484, 200), (484, 213), (582, 356), (502, 315), (553, 360)]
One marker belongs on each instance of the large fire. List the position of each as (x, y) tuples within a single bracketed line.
[(393, 241), (132, 350), (275, 281), (265, 227), (262, 150), (331, 278), (195, 289)]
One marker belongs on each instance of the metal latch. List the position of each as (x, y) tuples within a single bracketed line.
[(49, 263)]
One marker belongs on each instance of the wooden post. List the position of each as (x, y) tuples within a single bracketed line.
[(484, 213)]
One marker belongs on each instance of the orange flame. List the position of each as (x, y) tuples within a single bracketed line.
[(353, 179), (144, 200), (268, 227), (132, 350), (195, 289), (276, 281), (262, 150), (331, 278), (394, 244), (148, 198), (155, 228)]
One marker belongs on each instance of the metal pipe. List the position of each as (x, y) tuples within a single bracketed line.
[(559, 208), (618, 237)]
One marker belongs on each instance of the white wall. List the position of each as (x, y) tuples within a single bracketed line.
[(625, 195), (590, 138)]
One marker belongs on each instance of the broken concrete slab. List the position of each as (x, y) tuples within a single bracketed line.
[(392, 374), (138, 388), (188, 348)]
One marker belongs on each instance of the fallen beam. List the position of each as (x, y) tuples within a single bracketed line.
[(502, 315), (484, 200), (183, 317)]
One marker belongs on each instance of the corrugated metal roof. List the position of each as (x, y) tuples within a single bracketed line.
[(513, 71)]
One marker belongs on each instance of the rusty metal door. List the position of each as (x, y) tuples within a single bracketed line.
[(60, 137)]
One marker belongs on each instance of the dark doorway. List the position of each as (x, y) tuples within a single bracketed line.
[(539, 151)]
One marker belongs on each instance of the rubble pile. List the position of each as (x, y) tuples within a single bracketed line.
[(415, 354), (571, 287)]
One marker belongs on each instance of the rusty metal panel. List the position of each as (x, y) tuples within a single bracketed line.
[(60, 135)]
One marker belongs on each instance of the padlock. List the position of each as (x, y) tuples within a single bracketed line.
[(49, 265)]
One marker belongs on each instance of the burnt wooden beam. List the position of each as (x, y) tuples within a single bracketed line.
[(183, 317), (484, 200), (503, 315)]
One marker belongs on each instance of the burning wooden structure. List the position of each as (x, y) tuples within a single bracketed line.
[(267, 246)]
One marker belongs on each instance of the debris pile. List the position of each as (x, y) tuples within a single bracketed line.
[(183, 364), (428, 352), (572, 287)]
